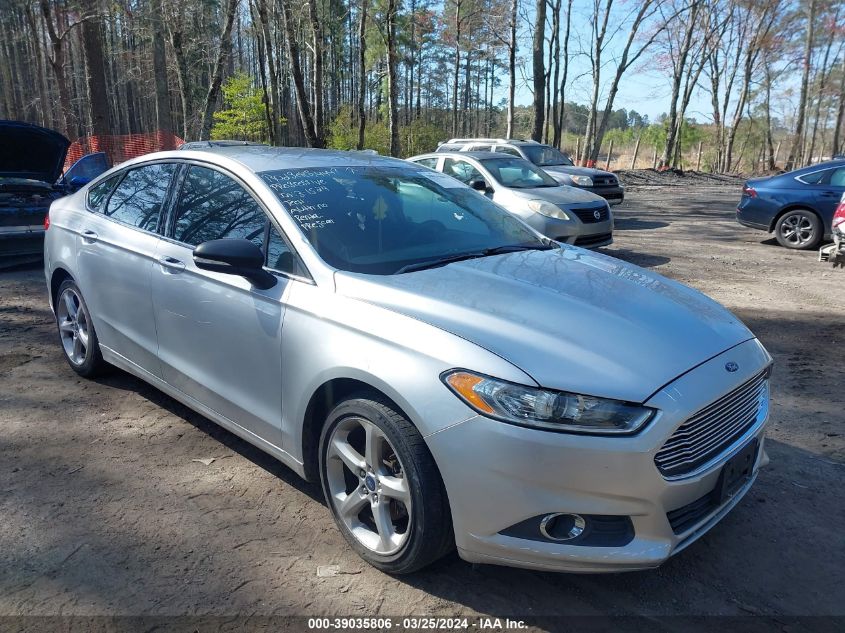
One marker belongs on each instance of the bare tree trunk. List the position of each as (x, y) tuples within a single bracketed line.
[(362, 73), (512, 44), (217, 78), (555, 94), (795, 151), (92, 42), (57, 64), (392, 88), (302, 104), (164, 119), (678, 67), (456, 78), (562, 89), (840, 114), (319, 47), (539, 71)]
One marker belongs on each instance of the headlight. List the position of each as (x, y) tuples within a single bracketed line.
[(544, 409), (548, 209), (582, 181)]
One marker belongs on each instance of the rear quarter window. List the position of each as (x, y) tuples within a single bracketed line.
[(99, 193)]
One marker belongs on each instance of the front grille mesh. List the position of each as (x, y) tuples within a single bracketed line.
[(588, 215), (712, 430)]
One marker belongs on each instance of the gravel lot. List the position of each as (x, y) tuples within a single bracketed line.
[(105, 508)]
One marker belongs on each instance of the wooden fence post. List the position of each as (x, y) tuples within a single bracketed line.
[(609, 152), (698, 160), (777, 151), (636, 151), (577, 150), (654, 159)]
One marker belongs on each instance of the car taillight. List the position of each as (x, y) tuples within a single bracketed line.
[(839, 216), (751, 192), (47, 221)]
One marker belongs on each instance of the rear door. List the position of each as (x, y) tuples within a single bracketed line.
[(117, 247), (220, 337)]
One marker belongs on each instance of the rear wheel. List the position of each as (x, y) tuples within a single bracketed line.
[(383, 487), (799, 229), (76, 332)]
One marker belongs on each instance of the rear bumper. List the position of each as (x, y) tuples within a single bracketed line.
[(499, 475)]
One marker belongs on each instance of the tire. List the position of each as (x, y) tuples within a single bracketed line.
[(799, 229), (79, 342), (396, 465)]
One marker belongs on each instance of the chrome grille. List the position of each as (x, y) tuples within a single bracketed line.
[(713, 429)]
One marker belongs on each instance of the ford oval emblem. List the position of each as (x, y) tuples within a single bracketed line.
[(597, 214), (731, 366)]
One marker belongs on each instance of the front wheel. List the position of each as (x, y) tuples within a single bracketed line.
[(799, 229), (383, 487)]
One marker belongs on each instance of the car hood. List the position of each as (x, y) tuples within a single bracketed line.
[(31, 152), (563, 195), (571, 319)]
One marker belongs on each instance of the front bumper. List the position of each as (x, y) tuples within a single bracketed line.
[(613, 194), (498, 475), (573, 231)]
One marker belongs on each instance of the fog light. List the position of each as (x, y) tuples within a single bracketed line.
[(561, 526)]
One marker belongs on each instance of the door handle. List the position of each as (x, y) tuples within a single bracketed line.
[(89, 236), (172, 264), (831, 194)]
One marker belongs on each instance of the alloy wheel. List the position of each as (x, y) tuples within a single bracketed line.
[(367, 486), (74, 326), (797, 230)]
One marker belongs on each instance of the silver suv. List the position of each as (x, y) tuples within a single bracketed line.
[(551, 160)]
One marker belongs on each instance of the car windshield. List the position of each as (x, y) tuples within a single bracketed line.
[(382, 220), (546, 156), (516, 173)]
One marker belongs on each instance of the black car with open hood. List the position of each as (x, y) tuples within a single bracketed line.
[(31, 162)]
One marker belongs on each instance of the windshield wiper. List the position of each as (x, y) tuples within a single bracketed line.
[(451, 259)]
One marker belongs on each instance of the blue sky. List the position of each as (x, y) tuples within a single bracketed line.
[(644, 88)]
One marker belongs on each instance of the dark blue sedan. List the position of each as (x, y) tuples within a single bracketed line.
[(797, 206)]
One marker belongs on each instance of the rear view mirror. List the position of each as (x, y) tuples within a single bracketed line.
[(234, 257)]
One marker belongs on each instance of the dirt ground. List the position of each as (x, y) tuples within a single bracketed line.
[(106, 510)]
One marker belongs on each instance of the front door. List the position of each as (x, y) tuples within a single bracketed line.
[(219, 337)]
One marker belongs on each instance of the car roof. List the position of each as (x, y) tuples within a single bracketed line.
[(260, 158), (491, 141), (475, 155)]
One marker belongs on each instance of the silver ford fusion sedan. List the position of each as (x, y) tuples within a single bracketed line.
[(449, 375)]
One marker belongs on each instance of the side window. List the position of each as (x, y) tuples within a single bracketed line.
[(837, 177), (213, 206), (461, 170), (280, 256), (508, 150), (138, 198), (431, 163), (816, 177), (98, 193)]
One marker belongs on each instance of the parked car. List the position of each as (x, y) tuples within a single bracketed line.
[(835, 253), (797, 206), (563, 213), (449, 375), (554, 162), (31, 163)]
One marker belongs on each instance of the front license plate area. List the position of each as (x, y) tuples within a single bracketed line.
[(736, 472)]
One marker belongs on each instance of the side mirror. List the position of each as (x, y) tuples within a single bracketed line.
[(479, 184), (234, 257)]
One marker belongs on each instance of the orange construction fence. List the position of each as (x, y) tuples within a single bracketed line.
[(121, 147)]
